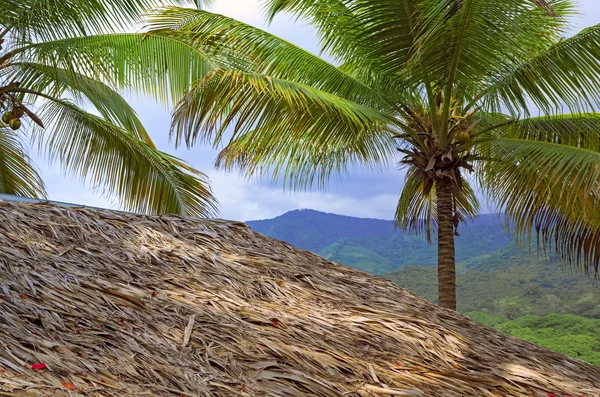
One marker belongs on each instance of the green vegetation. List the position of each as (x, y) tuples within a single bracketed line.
[(376, 246), (571, 335), (56, 62), (510, 283)]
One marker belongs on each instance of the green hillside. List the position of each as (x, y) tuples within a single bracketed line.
[(574, 336), (511, 282), (377, 246)]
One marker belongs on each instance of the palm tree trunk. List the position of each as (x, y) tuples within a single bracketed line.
[(446, 257)]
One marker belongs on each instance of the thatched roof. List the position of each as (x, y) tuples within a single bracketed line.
[(115, 304)]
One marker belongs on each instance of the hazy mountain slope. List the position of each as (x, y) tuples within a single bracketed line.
[(313, 230), (512, 282), (374, 245)]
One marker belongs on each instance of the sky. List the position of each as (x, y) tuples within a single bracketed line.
[(362, 193)]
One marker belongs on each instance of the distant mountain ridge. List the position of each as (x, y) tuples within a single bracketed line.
[(325, 228), (376, 245)]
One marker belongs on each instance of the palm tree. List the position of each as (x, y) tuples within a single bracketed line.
[(44, 99), (465, 94)]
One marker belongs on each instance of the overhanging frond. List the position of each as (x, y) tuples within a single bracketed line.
[(39, 20), (57, 82), (564, 75), (236, 45), (577, 130), (551, 189), (18, 175), (465, 44), (153, 64), (377, 36), (104, 155), (277, 122)]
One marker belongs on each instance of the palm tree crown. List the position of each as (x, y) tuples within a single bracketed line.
[(45, 98)]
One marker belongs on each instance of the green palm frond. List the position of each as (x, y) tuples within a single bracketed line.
[(17, 173), (293, 161), (578, 130), (376, 34), (417, 210), (465, 43), (141, 177), (244, 47), (57, 82), (151, 63), (548, 188), (277, 122), (564, 75), (39, 20)]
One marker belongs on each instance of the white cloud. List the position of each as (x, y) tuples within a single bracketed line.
[(248, 11)]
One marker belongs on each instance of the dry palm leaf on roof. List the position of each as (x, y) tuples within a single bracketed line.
[(102, 303)]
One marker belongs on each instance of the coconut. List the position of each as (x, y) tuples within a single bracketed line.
[(463, 137), (15, 124), (7, 117)]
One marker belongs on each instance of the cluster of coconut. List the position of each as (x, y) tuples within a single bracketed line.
[(13, 119), (463, 136)]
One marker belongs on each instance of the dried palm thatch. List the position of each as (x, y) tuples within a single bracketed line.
[(113, 304)]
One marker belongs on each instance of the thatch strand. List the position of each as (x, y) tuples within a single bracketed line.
[(116, 304)]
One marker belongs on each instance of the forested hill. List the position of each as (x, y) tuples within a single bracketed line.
[(375, 245)]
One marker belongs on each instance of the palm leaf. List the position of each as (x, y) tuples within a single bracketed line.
[(465, 43), (243, 47), (56, 82), (278, 122), (577, 130), (153, 64), (378, 34), (18, 176), (564, 75), (548, 188), (40, 20), (373, 39), (142, 178)]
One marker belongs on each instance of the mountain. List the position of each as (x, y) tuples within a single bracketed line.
[(377, 246), (314, 230)]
